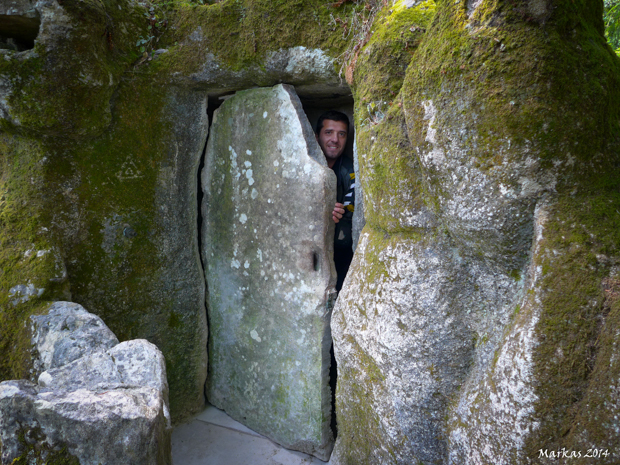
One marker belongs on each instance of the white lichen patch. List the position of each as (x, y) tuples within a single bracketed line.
[(254, 335), (23, 293)]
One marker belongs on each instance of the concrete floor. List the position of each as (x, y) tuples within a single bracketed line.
[(213, 438)]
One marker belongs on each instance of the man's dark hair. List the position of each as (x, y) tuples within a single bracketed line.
[(332, 115)]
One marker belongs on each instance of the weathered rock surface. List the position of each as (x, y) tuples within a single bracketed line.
[(66, 333), (122, 425), (99, 156), (97, 402), (481, 312), (267, 249), (475, 325)]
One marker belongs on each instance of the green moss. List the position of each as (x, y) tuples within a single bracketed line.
[(380, 67), (551, 88), (519, 79), (28, 254), (360, 428), (390, 172), (582, 229), (37, 451), (71, 96), (116, 205), (241, 33), (104, 204), (594, 417), (388, 164)]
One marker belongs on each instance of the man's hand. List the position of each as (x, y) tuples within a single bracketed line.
[(338, 212)]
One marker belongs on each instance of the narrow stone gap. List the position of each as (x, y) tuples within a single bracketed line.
[(314, 108), (213, 104)]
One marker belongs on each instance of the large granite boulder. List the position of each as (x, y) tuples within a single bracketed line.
[(268, 245), (97, 401), (476, 325)]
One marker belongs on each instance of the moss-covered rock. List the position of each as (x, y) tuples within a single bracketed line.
[(507, 156), (240, 44), (32, 268), (104, 122), (103, 159), (500, 119), (63, 86)]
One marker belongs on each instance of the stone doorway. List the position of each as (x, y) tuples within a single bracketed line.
[(267, 241)]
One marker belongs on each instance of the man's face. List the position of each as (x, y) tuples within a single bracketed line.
[(332, 138)]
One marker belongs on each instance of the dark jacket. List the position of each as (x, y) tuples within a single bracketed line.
[(345, 195)]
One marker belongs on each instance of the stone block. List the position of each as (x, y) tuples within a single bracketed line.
[(267, 246)]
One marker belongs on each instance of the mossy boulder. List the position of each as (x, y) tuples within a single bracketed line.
[(101, 160), (483, 295), (499, 165)]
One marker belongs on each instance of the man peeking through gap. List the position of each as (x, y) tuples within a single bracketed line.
[(332, 130)]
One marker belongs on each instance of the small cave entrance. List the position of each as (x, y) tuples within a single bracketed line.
[(19, 27), (313, 104)]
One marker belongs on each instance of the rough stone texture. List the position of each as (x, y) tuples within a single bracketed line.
[(358, 215), (123, 425), (267, 248), (311, 71), (99, 153), (19, 21), (108, 165), (132, 363), (476, 323), (487, 155), (260, 43), (65, 333), (97, 402)]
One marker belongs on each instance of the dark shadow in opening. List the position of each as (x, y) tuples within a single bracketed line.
[(213, 103), (18, 32)]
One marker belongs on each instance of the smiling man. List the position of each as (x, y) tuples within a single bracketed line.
[(332, 130)]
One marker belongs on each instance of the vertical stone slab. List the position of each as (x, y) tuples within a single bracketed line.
[(267, 246)]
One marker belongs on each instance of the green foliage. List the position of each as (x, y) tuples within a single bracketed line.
[(157, 20), (612, 23)]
